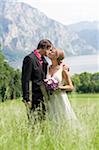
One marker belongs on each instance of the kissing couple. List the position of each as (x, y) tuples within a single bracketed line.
[(35, 69)]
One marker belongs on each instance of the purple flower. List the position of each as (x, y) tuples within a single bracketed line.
[(51, 84)]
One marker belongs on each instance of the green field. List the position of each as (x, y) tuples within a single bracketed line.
[(16, 133)]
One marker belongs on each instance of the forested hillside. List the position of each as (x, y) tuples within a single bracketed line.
[(10, 85)]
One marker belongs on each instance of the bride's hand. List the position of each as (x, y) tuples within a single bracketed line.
[(61, 87)]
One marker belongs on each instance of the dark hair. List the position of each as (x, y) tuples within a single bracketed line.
[(44, 44)]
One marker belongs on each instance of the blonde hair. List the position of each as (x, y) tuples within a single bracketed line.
[(60, 55)]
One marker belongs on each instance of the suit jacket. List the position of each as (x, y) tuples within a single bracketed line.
[(34, 71)]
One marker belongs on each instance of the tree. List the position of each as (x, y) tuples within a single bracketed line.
[(86, 82), (10, 80)]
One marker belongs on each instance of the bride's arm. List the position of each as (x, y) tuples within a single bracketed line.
[(67, 79)]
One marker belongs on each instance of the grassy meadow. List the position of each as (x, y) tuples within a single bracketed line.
[(16, 133)]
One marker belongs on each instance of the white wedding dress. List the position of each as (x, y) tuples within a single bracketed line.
[(59, 107)]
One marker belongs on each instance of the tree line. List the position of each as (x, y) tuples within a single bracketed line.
[(86, 82)]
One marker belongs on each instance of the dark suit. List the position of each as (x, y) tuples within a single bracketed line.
[(34, 71)]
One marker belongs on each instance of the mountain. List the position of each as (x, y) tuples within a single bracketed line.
[(88, 31), (22, 27)]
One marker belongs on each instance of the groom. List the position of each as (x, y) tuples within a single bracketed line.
[(35, 69)]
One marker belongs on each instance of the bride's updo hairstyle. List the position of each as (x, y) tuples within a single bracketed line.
[(60, 55)]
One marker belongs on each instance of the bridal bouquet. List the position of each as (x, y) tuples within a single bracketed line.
[(51, 84)]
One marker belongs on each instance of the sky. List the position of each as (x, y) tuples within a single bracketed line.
[(68, 11)]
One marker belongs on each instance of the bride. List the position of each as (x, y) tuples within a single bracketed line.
[(59, 107)]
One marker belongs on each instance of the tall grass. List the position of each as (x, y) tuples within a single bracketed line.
[(17, 133)]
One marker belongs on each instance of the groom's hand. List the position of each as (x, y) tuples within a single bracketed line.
[(28, 103), (66, 67)]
